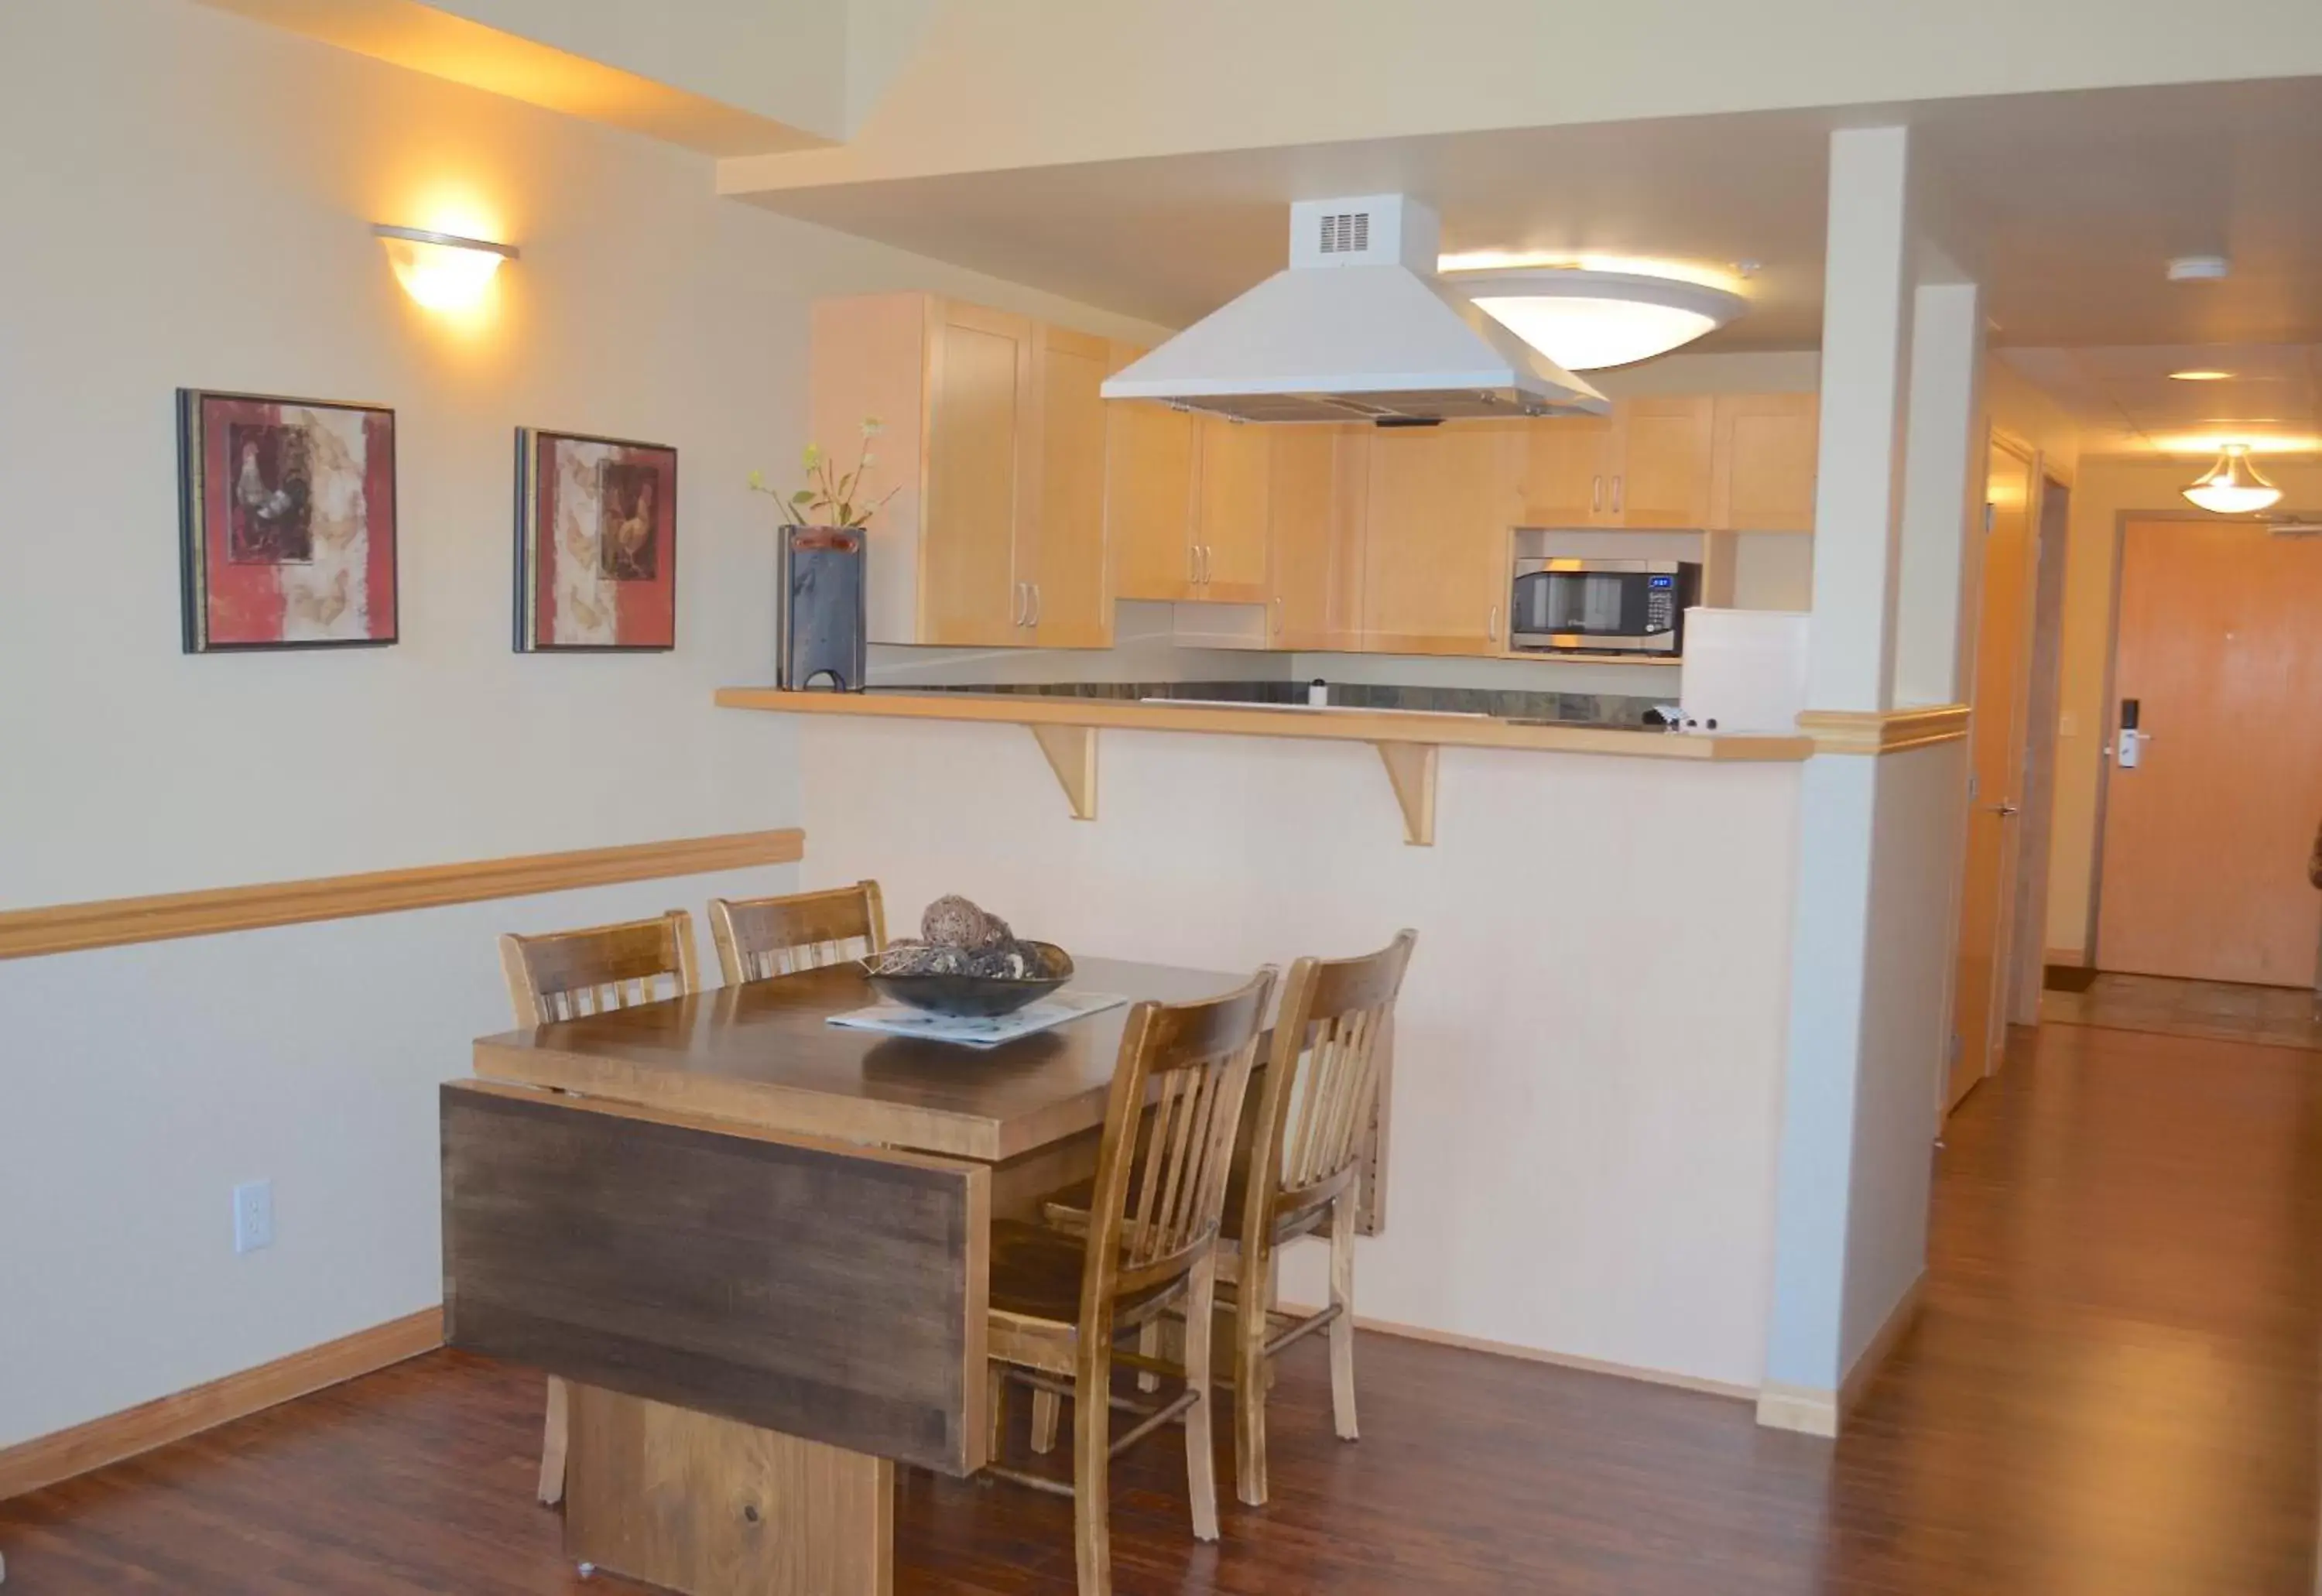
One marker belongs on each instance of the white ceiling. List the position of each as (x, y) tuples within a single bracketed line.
[(2127, 404), (2067, 207)]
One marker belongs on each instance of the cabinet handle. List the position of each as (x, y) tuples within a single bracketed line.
[(1032, 616), (1277, 615), (1595, 495), (1016, 604), (1616, 495), (1194, 563), (1492, 627)]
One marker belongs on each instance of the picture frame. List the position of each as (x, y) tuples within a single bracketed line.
[(595, 545), (286, 523)]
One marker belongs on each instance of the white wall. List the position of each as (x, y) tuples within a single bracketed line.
[(209, 226), (1589, 1046)]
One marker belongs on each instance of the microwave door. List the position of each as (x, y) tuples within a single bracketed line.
[(1576, 603)]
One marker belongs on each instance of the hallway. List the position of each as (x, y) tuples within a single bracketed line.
[(2112, 1389)]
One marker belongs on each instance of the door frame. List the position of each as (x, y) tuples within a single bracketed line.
[(2051, 533), (2042, 477)]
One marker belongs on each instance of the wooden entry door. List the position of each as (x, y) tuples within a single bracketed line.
[(1996, 753), (2206, 840)]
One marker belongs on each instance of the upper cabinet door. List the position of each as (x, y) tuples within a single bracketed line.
[(1230, 519), (1148, 495), (1663, 448), (1436, 538), (1316, 528), (867, 358), (1766, 462), (980, 445), (1069, 603), (1567, 472)]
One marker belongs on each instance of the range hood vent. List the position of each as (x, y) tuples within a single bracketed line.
[(1357, 328)]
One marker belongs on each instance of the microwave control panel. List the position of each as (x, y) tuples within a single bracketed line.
[(1661, 605)]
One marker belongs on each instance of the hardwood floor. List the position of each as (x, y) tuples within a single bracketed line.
[(2112, 1390)]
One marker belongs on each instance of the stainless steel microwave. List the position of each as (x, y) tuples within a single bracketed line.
[(1609, 605)]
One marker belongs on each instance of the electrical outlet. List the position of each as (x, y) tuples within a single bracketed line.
[(253, 1216)]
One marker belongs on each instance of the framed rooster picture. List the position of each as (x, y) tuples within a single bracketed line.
[(596, 543), (287, 522)]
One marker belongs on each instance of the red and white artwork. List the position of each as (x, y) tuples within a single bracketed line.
[(287, 522), (596, 543)]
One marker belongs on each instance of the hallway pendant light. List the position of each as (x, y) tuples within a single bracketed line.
[(1586, 320), (2232, 487)]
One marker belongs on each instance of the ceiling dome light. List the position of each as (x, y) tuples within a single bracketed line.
[(2199, 376), (1586, 320), (2232, 487), (2199, 268)]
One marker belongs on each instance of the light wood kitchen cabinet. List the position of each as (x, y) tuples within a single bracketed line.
[(1564, 471), (1441, 502), (1765, 454), (1319, 488), (1647, 465), (1148, 495), (1070, 601), (994, 439), (1232, 464), (1185, 502), (976, 535)]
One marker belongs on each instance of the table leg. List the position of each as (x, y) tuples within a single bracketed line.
[(713, 1507)]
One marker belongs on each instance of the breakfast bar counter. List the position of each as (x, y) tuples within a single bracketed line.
[(1330, 723), (1067, 727)]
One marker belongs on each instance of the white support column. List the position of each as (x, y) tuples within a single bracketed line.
[(1942, 498), (1878, 844), (1866, 361)]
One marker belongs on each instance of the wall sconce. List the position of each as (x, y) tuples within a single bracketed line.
[(443, 270)]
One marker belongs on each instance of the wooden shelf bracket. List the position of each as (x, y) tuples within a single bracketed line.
[(1411, 768), (1072, 754)]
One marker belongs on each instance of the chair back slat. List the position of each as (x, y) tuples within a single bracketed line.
[(564, 975), (758, 938), (1321, 1078), (1177, 1101)]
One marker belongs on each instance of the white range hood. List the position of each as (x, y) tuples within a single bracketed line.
[(1358, 328)]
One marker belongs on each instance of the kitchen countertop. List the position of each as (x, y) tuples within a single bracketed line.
[(1354, 723)]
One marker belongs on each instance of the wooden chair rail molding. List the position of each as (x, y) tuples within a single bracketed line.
[(71, 927), (1067, 730), (1883, 731)]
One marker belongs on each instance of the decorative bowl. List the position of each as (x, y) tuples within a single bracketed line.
[(979, 997)]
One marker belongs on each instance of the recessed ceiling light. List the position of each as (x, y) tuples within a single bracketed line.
[(2198, 269), (2199, 376), (1586, 320)]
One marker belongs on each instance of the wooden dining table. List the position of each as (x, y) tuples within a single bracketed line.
[(754, 1244)]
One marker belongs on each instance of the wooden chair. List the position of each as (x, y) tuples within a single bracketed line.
[(759, 937), (1058, 1303), (1297, 1174), (562, 975)]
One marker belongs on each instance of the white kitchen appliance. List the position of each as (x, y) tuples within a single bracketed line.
[(1357, 328), (1745, 671)]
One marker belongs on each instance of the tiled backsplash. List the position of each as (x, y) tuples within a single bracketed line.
[(1617, 709)]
